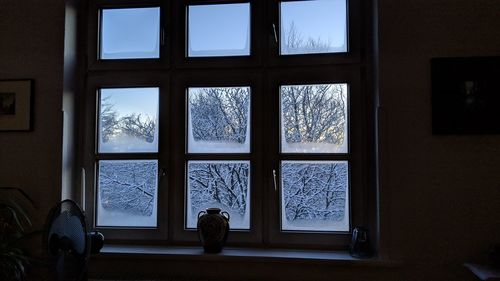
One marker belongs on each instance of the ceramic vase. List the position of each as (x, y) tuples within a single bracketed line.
[(213, 228)]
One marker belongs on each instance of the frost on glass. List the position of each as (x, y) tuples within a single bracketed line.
[(314, 196), (128, 120), (314, 118), (219, 184), (313, 27), (130, 33), (219, 30), (219, 120), (127, 193)]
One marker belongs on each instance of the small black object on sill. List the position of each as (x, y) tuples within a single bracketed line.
[(360, 243)]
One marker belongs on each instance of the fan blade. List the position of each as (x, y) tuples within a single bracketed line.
[(60, 267), (69, 267)]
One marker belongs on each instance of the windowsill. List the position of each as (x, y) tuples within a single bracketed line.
[(233, 254)]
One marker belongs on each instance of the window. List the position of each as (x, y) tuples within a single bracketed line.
[(127, 188), (312, 27), (218, 30), (255, 107), (130, 33)]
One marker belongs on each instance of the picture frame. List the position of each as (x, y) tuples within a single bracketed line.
[(16, 105), (465, 95)]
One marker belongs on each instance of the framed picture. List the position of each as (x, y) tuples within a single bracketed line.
[(465, 95), (16, 105)]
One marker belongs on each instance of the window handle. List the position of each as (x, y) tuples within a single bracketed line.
[(162, 172), (83, 188), (275, 33), (162, 37), (274, 181)]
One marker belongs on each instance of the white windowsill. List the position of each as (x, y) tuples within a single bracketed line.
[(340, 258)]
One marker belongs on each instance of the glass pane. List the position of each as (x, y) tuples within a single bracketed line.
[(314, 118), (219, 30), (128, 120), (314, 196), (218, 120), (127, 193), (311, 27), (130, 33), (219, 184)]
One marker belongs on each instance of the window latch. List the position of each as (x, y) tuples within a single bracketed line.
[(274, 181), (162, 172), (162, 37), (275, 33)]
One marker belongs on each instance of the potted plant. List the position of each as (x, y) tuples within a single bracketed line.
[(13, 258)]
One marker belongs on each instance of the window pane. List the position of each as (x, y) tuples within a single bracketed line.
[(314, 196), (219, 184), (309, 27), (314, 118), (219, 30), (130, 33), (127, 193), (218, 120), (128, 120)]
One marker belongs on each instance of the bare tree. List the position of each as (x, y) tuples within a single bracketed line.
[(294, 43), (137, 126), (220, 114), (314, 191), (225, 184), (314, 113), (128, 186), (109, 120)]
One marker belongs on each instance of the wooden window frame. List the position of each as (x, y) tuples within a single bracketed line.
[(264, 70), (95, 82), (94, 62), (179, 36), (356, 154)]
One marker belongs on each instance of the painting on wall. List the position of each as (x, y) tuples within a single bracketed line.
[(466, 95), (16, 105)]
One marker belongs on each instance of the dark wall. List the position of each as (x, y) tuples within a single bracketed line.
[(440, 195), (31, 47)]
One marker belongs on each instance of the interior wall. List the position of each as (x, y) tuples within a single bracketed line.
[(440, 194), (31, 47)]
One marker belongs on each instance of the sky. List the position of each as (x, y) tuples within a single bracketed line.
[(127, 101), (217, 29), (323, 19), (130, 32)]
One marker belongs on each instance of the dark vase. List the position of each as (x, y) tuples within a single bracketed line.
[(213, 228)]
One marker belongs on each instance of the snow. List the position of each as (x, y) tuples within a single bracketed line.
[(118, 218), (219, 184), (125, 143), (315, 196), (314, 118), (219, 120), (312, 147), (127, 193)]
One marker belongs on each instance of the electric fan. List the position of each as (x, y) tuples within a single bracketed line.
[(69, 245)]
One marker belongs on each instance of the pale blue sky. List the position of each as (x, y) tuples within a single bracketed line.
[(217, 29), (324, 19), (130, 33), (127, 101)]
